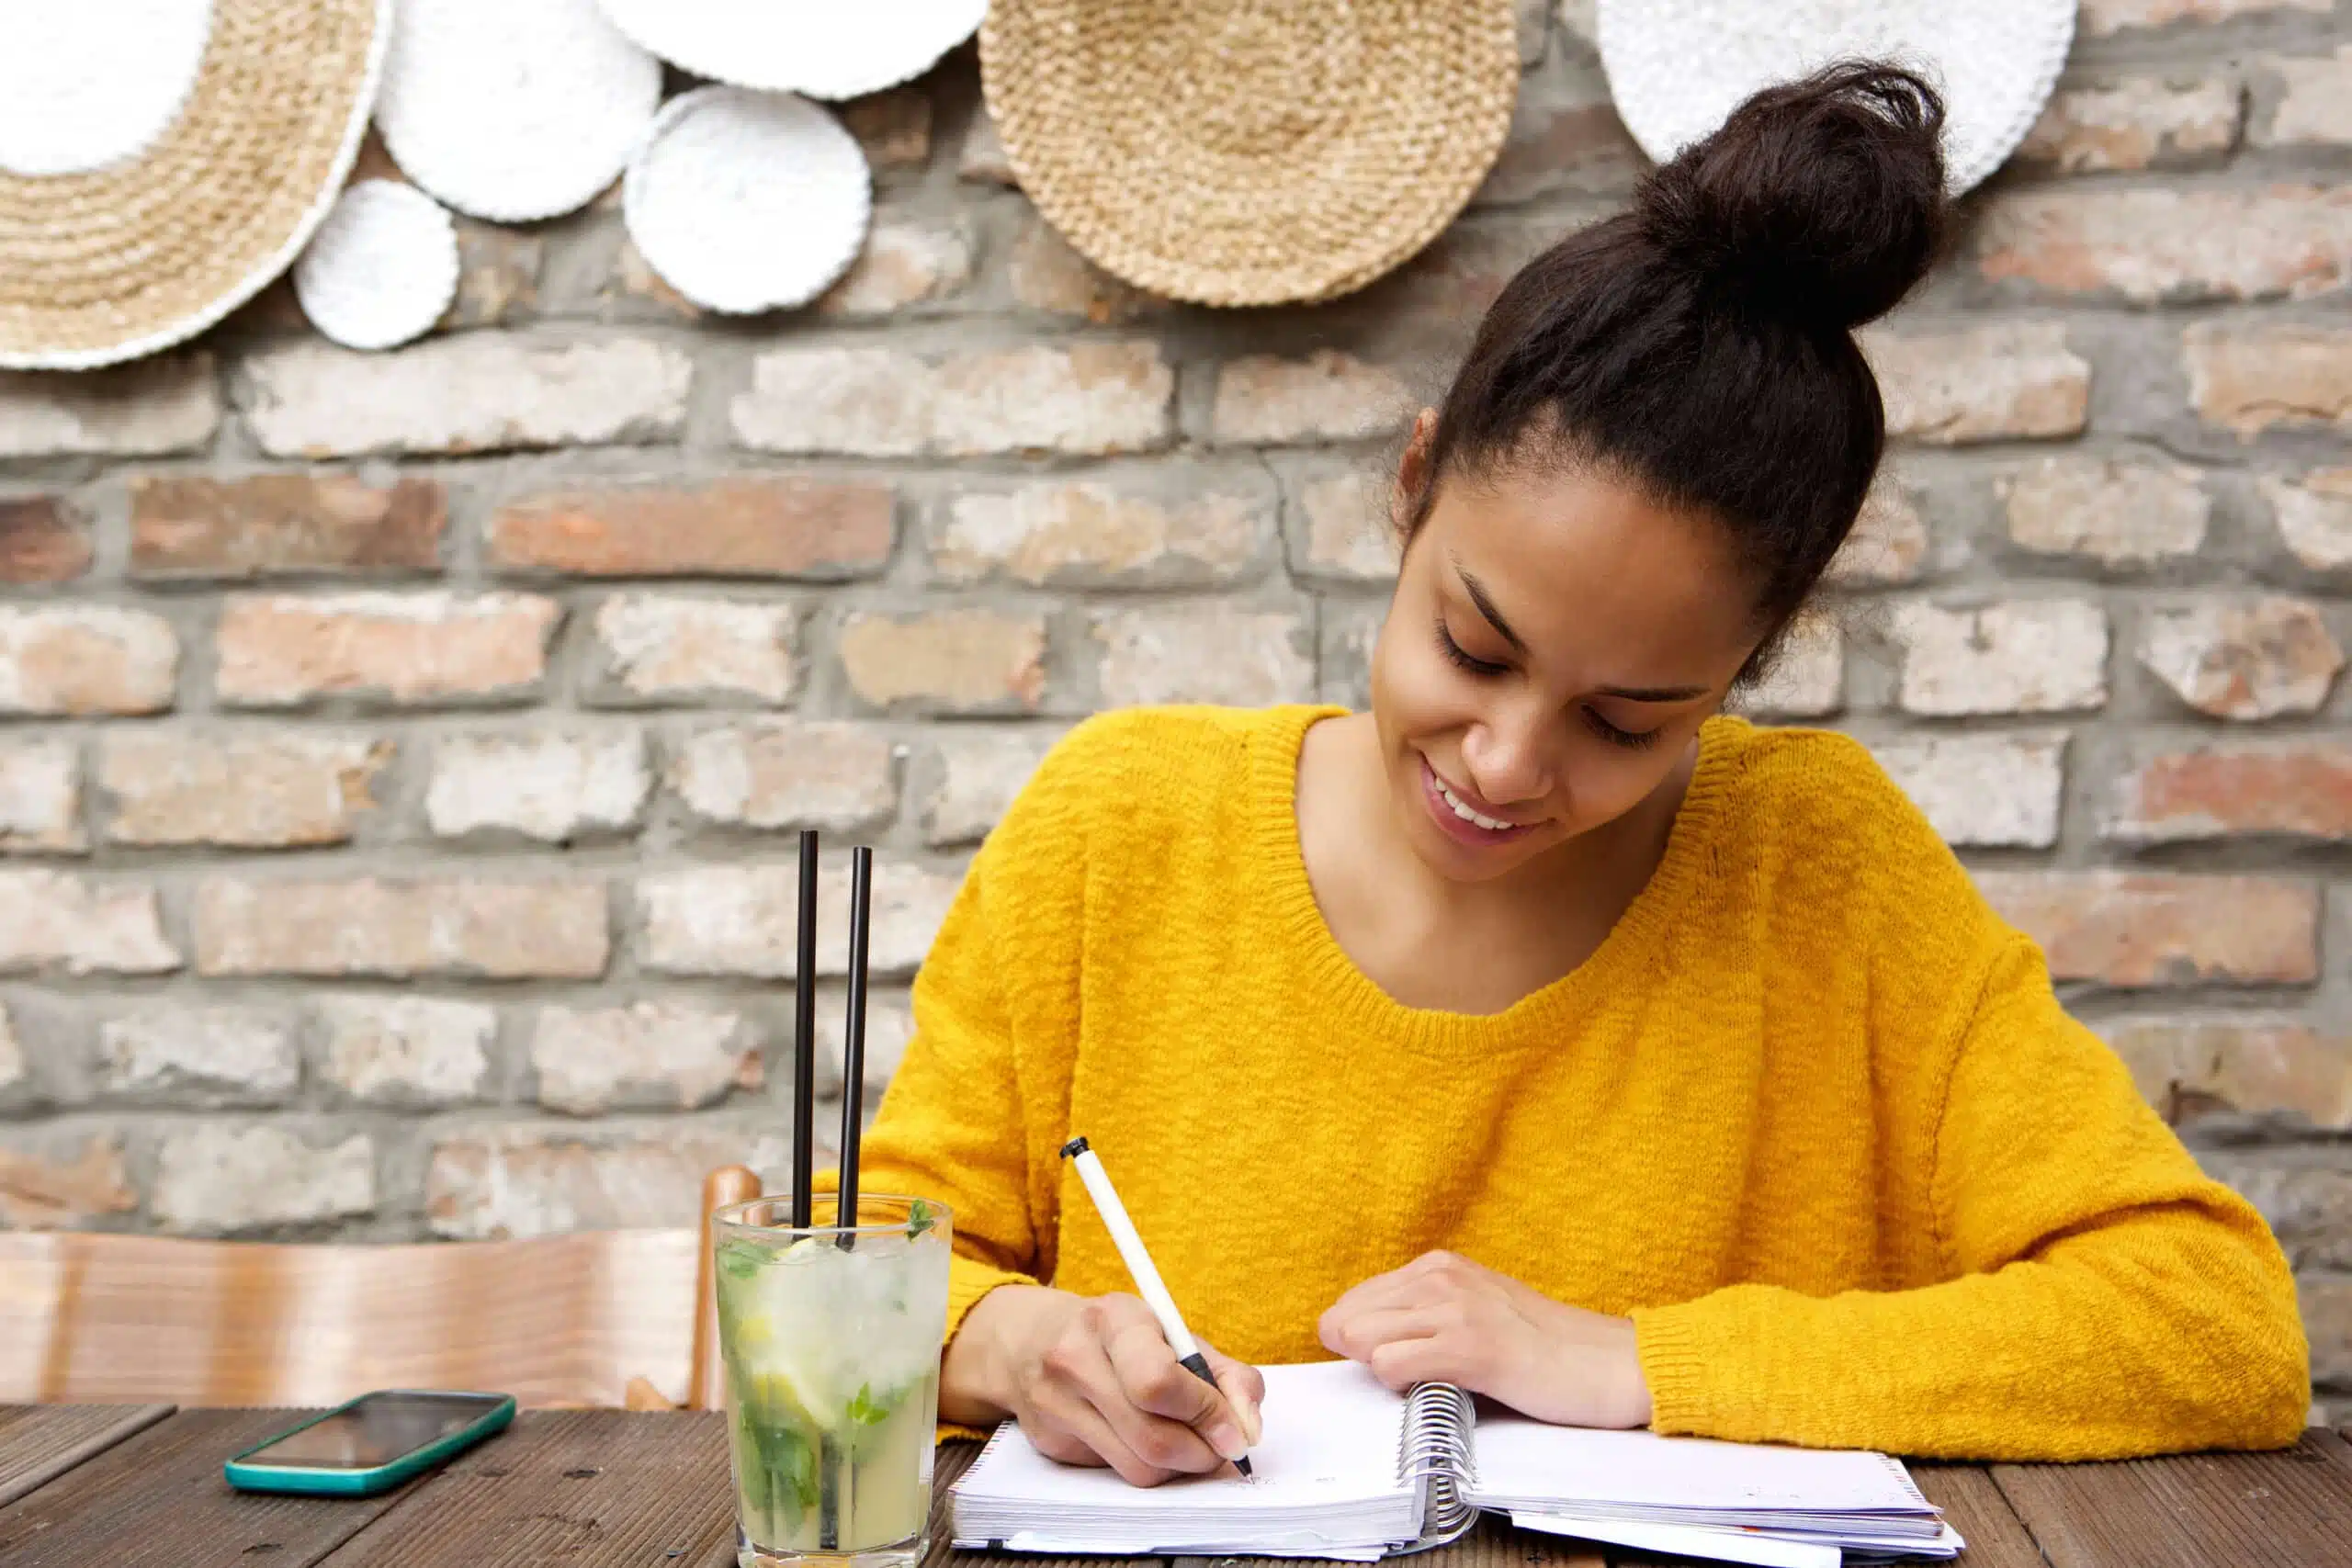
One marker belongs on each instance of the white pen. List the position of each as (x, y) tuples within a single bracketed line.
[(1147, 1277)]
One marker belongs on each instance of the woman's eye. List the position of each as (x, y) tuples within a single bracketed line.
[(1632, 740), (1453, 652)]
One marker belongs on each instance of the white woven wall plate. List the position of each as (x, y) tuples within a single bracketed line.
[(820, 48), (514, 109), (381, 269), (88, 83), (1678, 67), (747, 201)]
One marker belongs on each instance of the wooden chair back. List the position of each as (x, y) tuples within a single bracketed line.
[(555, 1320)]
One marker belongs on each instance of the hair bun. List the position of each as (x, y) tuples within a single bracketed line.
[(1820, 200)]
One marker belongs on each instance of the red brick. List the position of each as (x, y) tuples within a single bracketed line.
[(667, 1055), (894, 126), (1204, 653), (947, 660), (2115, 514), (1989, 383), (2250, 379), (783, 525), (44, 1186), (76, 660), (537, 1180), (1890, 541), (2101, 18), (2325, 1300), (743, 918), (506, 927), (1047, 276), (217, 1180), (1091, 398), (2313, 110), (42, 539), (2191, 1069), (2289, 788), (2246, 660), (284, 523), (246, 791), (1327, 396), (2126, 928), (2314, 516), (670, 649), (2152, 245), (788, 773), (41, 797), (903, 265), (2138, 123), (403, 648), (498, 275), (49, 921)]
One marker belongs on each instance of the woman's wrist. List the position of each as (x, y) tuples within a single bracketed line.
[(976, 1373)]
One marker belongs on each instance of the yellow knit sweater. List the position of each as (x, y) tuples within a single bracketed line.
[(1811, 1114)]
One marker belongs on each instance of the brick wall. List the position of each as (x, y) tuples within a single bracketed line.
[(400, 750)]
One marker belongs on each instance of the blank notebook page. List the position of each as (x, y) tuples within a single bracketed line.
[(1330, 1440), (1526, 1464)]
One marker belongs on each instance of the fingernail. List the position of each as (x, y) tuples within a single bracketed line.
[(1227, 1441)]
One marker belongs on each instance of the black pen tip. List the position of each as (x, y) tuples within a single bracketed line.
[(1242, 1464), (1074, 1148)]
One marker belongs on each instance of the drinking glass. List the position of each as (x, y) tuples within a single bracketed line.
[(830, 1338)]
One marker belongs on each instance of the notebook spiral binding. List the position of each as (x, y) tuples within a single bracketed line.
[(1436, 1451)]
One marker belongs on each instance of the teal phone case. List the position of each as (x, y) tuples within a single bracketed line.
[(303, 1481)]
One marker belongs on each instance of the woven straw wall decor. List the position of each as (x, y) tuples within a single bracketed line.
[(748, 201), (90, 83), (822, 50), (110, 264), (1250, 152), (514, 109), (1677, 68), (381, 269)]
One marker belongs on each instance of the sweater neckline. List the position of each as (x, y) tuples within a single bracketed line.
[(1542, 1015)]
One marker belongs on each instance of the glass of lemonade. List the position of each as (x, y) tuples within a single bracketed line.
[(831, 1337)]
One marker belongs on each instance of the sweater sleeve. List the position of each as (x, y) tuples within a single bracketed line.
[(2145, 1309)]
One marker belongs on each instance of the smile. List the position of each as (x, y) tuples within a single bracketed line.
[(1459, 821)]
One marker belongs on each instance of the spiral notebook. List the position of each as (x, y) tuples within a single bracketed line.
[(1348, 1469)]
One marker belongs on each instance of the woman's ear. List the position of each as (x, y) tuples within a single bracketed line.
[(1412, 475)]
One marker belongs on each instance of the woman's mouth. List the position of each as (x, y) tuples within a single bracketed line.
[(1462, 822)]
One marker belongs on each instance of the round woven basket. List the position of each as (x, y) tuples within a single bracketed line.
[(1250, 152), (111, 264)]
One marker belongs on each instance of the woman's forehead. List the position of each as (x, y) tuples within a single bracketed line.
[(1576, 563)]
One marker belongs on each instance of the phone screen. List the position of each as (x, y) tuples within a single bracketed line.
[(375, 1430)]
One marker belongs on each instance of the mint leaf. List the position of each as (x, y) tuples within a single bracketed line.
[(919, 1218), (741, 1259)]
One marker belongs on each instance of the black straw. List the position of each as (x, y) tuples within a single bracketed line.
[(860, 906), (804, 1047)]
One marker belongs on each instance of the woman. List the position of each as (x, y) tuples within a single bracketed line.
[(1543, 1030)]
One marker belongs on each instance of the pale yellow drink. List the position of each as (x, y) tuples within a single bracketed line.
[(831, 1355)]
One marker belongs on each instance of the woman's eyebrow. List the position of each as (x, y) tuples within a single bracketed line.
[(1477, 592)]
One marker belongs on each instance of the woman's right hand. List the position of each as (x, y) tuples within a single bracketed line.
[(1092, 1381)]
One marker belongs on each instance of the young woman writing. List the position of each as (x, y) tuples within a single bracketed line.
[(1543, 1030)]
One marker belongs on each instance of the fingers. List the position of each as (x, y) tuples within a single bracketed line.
[(1245, 1389), (1072, 1431), (1160, 1386)]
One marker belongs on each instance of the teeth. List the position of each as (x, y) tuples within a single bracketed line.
[(1488, 823)]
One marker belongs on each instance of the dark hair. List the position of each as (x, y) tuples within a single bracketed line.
[(1700, 346)]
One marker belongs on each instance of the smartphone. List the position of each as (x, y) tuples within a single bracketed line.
[(372, 1444)]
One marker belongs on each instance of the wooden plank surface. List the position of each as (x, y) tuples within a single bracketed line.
[(1974, 1505), (40, 1443), (160, 1494), (2191, 1511), (585, 1488)]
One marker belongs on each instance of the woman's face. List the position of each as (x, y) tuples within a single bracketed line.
[(1555, 642)]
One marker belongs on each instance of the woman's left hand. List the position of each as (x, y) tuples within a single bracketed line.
[(1443, 1318)]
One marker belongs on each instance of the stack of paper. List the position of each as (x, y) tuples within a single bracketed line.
[(1741, 1501), (1325, 1486)]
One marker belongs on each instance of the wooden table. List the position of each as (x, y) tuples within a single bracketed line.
[(85, 1485)]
